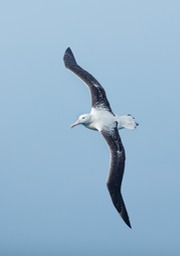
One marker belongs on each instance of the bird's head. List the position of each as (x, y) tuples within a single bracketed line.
[(83, 119)]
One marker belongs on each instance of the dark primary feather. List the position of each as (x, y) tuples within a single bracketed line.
[(98, 94), (116, 171)]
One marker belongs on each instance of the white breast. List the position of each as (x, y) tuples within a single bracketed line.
[(101, 119)]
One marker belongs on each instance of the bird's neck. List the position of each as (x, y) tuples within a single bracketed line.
[(90, 124)]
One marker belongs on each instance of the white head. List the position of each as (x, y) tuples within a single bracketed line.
[(83, 119)]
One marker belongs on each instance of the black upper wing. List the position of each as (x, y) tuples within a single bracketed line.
[(116, 171), (98, 94)]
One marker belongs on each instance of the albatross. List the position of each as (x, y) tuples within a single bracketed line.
[(102, 119)]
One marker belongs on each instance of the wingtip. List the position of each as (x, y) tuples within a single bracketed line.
[(124, 215), (126, 220), (69, 59), (118, 202), (68, 50)]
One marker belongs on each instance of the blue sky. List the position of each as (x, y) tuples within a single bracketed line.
[(53, 195)]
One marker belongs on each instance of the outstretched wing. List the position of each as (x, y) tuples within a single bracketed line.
[(116, 171), (98, 94)]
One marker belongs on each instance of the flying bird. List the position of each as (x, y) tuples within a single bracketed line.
[(102, 119)]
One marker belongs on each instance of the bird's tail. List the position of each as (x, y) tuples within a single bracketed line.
[(127, 121)]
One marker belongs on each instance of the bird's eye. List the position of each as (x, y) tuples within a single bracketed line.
[(83, 117)]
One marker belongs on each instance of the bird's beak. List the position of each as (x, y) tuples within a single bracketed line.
[(76, 123)]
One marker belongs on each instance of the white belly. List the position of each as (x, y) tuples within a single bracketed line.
[(101, 119)]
